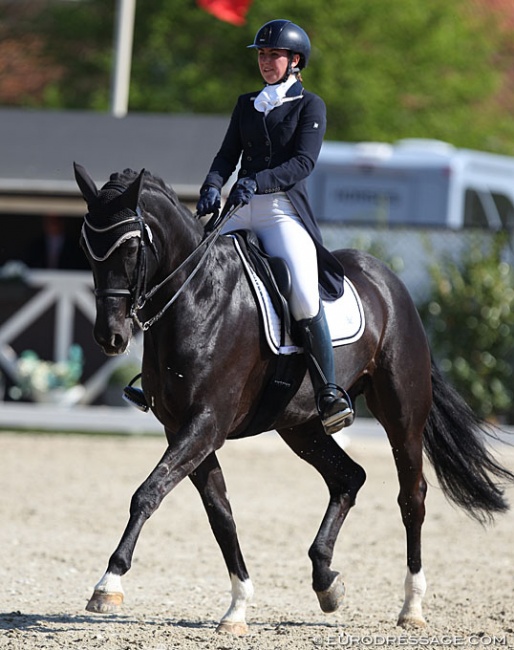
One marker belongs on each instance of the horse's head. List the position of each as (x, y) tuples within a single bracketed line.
[(113, 238)]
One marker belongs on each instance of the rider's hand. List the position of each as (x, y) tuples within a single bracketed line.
[(242, 192), (209, 201)]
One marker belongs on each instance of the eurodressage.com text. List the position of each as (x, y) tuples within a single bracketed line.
[(405, 640)]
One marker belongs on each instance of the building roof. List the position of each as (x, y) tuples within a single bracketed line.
[(39, 147)]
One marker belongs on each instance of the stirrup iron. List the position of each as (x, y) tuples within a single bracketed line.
[(343, 414), (135, 396)]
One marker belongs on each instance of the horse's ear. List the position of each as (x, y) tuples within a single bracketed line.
[(86, 183), (130, 197)]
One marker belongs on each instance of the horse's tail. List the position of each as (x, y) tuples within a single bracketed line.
[(455, 443)]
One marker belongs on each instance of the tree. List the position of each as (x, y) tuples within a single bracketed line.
[(24, 70), (386, 70)]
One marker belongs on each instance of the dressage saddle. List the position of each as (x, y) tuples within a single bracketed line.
[(276, 277)]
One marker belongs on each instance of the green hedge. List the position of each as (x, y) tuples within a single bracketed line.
[(469, 319)]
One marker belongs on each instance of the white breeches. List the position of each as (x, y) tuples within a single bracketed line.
[(282, 234)]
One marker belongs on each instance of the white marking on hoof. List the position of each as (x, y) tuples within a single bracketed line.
[(407, 621), (234, 621), (104, 603), (331, 598), (415, 588), (236, 629), (107, 596)]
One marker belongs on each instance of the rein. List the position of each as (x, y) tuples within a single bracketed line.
[(209, 240)]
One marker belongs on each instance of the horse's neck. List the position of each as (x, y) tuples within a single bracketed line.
[(178, 239)]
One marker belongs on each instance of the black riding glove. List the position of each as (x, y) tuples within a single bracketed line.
[(242, 192), (209, 201)]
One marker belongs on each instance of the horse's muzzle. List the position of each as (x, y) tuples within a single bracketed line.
[(113, 339)]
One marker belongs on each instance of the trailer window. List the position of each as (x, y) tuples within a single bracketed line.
[(488, 210), (505, 210), (474, 211)]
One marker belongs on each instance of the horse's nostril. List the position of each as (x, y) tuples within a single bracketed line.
[(111, 342), (117, 341)]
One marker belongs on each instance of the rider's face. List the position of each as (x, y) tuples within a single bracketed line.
[(273, 63)]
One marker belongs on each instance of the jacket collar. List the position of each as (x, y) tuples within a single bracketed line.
[(296, 90)]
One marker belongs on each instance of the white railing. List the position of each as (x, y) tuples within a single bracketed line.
[(67, 292)]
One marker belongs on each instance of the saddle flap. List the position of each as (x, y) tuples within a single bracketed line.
[(272, 271), (345, 315)]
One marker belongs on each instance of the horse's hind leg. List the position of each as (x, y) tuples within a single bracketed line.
[(411, 499), (209, 481), (403, 417), (344, 479)]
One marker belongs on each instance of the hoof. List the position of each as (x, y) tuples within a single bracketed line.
[(331, 598), (236, 629), (103, 602), (409, 621)]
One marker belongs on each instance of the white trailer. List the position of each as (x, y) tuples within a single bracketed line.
[(414, 182)]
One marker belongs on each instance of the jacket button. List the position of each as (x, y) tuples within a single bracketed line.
[(266, 158), (248, 158)]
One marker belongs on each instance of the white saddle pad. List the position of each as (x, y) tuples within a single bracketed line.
[(345, 316)]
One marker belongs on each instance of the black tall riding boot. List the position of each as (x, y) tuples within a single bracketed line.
[(333, 403)]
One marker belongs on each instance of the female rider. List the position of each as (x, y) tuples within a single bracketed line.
[(277, 134)]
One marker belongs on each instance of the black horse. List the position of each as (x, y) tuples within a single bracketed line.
[(206, 366)]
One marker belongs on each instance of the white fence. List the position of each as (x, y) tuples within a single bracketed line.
[(67, 292)]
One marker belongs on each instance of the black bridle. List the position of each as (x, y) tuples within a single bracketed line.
[(132, 226), (138, 294)]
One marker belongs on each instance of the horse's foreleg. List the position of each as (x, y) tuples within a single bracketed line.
[(344, 479), (209, 481), (108, 595), (179, 460)]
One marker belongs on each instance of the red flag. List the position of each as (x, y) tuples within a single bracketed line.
[(231, 11)]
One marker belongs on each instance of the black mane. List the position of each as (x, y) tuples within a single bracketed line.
[(152, 184), (108, 207)]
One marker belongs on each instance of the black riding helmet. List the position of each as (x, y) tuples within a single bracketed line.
[(284, 35)]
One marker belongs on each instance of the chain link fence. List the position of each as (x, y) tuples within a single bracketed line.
[(410, 251)]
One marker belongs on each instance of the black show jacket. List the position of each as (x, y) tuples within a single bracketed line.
[(280, 150)]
